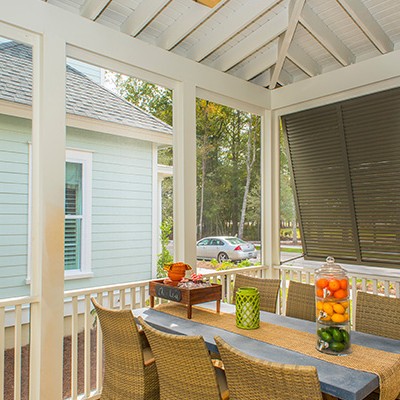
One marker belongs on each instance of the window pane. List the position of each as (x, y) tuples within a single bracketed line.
[(72, 250), (73, 189)]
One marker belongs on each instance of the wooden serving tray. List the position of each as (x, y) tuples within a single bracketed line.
[(186, 296)]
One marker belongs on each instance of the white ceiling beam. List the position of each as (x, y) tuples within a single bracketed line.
[(367, 23), (260, 63), (194, 16), (260, 37), (325, 36), (223, 32), (93, 8), (295, 11), (142, 15), (299, 57)]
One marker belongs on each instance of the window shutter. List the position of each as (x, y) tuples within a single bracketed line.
[(372, 126), (345, 166)]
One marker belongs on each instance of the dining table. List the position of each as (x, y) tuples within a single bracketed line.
[(336, 380)]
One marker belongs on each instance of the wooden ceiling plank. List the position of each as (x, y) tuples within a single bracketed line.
[(259, 38), (92, 8), (299, 57), (142, 15), (241, 18), (367, 23), (325, 36), (260, 63), (285, 78), (193, 17), (263, 79), (295, 10)]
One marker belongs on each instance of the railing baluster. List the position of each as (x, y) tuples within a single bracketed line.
[(74, 349), (99, 350), (353, 296), (283, 290), (142, 296), (17, 352), (375, 286), (397, 289), (122, 299), (87, 368), (2, 347), (386, 288)]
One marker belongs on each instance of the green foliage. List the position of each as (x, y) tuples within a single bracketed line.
[(165, 256), (226, 265)]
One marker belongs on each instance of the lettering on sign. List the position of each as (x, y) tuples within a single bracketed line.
[(168, 292)]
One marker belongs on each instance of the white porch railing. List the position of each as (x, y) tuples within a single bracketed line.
[(85, 364)]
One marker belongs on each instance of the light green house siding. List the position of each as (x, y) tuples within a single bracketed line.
[(14, 185), (121, 207)]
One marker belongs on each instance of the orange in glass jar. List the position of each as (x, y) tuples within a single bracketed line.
[(334, 285), (340, 294), (322, 283), (343, 284), (320, 293)]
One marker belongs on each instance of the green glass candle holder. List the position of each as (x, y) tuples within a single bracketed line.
[(248, 308)]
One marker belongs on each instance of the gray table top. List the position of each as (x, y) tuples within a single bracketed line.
[(342, 382)]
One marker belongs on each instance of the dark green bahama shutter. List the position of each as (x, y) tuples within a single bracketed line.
[(345, 161)]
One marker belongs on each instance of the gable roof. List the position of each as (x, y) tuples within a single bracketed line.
[(83, 96)]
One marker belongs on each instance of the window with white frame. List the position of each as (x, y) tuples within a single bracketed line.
[(77, 242)]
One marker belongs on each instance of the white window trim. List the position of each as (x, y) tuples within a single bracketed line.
[(85, 158)]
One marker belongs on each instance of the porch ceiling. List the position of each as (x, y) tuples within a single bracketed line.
[(271, 43)]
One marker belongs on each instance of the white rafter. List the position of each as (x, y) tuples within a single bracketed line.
[(367, 23), (243, 16), (285, 78), (259, 64), (325, 36), (92, 8), (260, 37), (299, 57), (295, 10), (142, 15), (194, 16)]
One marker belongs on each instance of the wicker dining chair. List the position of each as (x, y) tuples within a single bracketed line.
[(268, 289), (378, 315), (184, 367), (250, 378), (300, 302), (130, 368)]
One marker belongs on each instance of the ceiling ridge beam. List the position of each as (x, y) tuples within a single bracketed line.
[(326, 37), (92, 9), (261, 62), (299, 57), (187, 22), (259, 38), (284, 43), (367, 23), (142, 15), (242, 18)]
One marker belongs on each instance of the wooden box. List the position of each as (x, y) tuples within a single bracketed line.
[(186, 296)]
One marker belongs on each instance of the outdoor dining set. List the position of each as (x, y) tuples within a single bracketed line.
[(247, 351)]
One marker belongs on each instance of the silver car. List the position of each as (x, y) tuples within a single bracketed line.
[(225, 248)]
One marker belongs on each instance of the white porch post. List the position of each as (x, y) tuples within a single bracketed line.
[(270, 255), (185, 173), (47, 283)]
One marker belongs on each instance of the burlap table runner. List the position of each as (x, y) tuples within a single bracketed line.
[(384, 364)]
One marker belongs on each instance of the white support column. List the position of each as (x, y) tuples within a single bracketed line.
[(270, 255), (185, 173), (47, 281), (156, 210)]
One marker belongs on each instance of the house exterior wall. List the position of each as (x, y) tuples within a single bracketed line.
[(121, 207)]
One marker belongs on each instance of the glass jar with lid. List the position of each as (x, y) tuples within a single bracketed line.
[(332, 308)]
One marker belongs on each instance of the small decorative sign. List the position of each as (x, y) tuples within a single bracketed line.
[(168, 292)]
